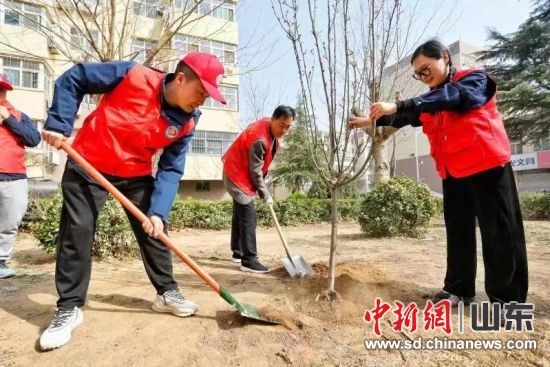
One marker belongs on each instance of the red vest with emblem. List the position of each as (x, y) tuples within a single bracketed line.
[(12, 158), (464, 143), (235, 160), (126, 129)]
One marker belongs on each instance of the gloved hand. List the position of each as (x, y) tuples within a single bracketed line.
[(269, 200)]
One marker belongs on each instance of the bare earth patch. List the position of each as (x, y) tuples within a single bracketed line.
[(120, 329)]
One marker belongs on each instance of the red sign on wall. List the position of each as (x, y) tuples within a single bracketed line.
[(543, 159)]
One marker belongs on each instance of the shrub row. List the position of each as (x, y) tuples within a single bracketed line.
[(399, 206), (296, 209), (114, 238), (535, 206)]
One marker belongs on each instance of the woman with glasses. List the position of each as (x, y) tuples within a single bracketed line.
[(472, 155)]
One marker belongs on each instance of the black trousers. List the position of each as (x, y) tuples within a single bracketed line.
[(243, 230), (83, 199), (491, 197)]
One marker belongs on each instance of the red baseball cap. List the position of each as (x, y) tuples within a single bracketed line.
[(5, 83), (208, 68)]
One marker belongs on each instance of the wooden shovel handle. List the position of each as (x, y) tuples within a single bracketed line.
[(280, 231), (123, 200)]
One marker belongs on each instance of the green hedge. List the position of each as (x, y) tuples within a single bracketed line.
[(114, 237), (535, 206), (296, 209), (400, 206)]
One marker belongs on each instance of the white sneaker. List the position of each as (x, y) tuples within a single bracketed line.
[(59, 331), (172, 301)]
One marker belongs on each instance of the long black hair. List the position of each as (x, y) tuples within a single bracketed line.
[(433, 49)]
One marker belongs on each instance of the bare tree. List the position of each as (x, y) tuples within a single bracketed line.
[(102, 30), (341, 54), (329, 86), (260, 98), (386, 34)]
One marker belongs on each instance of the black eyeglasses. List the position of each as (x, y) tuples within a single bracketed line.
[(424, 73)]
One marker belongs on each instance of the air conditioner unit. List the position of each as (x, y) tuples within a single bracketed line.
[(53, 157), (52, 47), (230, 69)]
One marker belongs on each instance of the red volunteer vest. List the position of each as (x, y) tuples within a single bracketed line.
[(464, 143), (235, 160), (126, 129), (12, 156)]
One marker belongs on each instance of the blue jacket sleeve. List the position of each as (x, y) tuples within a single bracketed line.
[(72, 85), (169, 173), (400, 119), (474, 90), (24, 129)]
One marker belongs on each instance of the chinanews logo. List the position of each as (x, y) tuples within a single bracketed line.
[(484, 316), (171, 132)]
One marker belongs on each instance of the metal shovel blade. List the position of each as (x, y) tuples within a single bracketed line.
[(297, 267), (250, 312)]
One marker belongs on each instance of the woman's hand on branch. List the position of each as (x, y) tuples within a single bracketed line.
[(379, 109), (359, 122)]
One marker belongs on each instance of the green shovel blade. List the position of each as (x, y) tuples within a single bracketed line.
[(244, 309)]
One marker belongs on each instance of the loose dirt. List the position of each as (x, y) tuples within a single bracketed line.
[(120, 329)]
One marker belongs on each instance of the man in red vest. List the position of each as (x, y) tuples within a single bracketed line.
[(142, 110), (245, 165), (16, 132)]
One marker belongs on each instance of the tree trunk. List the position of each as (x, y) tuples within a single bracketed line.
[(331, 293), (381, 164), (392, 160)]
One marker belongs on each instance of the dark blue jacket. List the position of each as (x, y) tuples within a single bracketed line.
[(474, 90)]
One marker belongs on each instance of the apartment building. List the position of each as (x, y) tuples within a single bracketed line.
[(40, 39), (531, 163)]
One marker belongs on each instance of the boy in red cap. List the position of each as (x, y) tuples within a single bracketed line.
[(142, 110), (16, 132)]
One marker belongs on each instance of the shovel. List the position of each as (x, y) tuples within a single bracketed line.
[(294, 265), (244, 309)]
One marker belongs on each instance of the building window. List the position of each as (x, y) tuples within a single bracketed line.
[(542, 144), (183, 4), (516, 147), (147, 8), (141, 47), (218, 8), (38, 124), (21, 73), (80, 42), (185, 44), (92, 5), (224, 51), (22, 14), (230, 95), (211, 143), (48, 88), (202, 186)]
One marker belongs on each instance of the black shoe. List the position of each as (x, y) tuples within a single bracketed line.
[(236, 258), (253, 266), (455, 300)]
